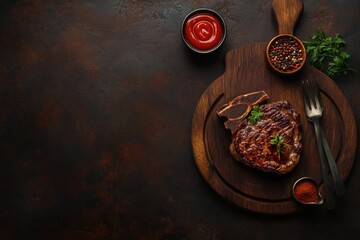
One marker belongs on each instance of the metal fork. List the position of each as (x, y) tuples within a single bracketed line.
[(314, 109)]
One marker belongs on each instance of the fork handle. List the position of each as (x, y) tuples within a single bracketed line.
[(329, 196), (338, 183)]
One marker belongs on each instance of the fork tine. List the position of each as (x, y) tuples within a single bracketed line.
[(313, 92), (310, 91), (316, 94), (307, 94)]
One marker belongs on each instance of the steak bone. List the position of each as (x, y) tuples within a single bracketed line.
[(237, 109)]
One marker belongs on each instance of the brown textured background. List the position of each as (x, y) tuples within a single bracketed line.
[(97, 99)]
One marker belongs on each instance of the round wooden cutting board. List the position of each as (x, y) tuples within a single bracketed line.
[(247, 71)]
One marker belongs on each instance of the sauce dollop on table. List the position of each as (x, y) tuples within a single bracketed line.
[(203, 31)]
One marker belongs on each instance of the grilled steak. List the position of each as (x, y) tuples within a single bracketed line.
[(252, 142)]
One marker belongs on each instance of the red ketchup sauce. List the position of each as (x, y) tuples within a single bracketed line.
[(203, 31)]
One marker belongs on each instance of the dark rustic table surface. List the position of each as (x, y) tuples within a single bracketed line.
[(97, 99)]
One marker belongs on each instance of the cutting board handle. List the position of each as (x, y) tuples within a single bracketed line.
[(287, 12)]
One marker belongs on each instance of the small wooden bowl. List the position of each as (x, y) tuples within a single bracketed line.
[(300, 45)]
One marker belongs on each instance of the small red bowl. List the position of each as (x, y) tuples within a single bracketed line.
[(203, 30)]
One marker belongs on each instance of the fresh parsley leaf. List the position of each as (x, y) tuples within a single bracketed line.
[(328, 54), (278, 141), (255, 114)]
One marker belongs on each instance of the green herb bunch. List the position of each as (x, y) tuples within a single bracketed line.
[(327, 54)]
